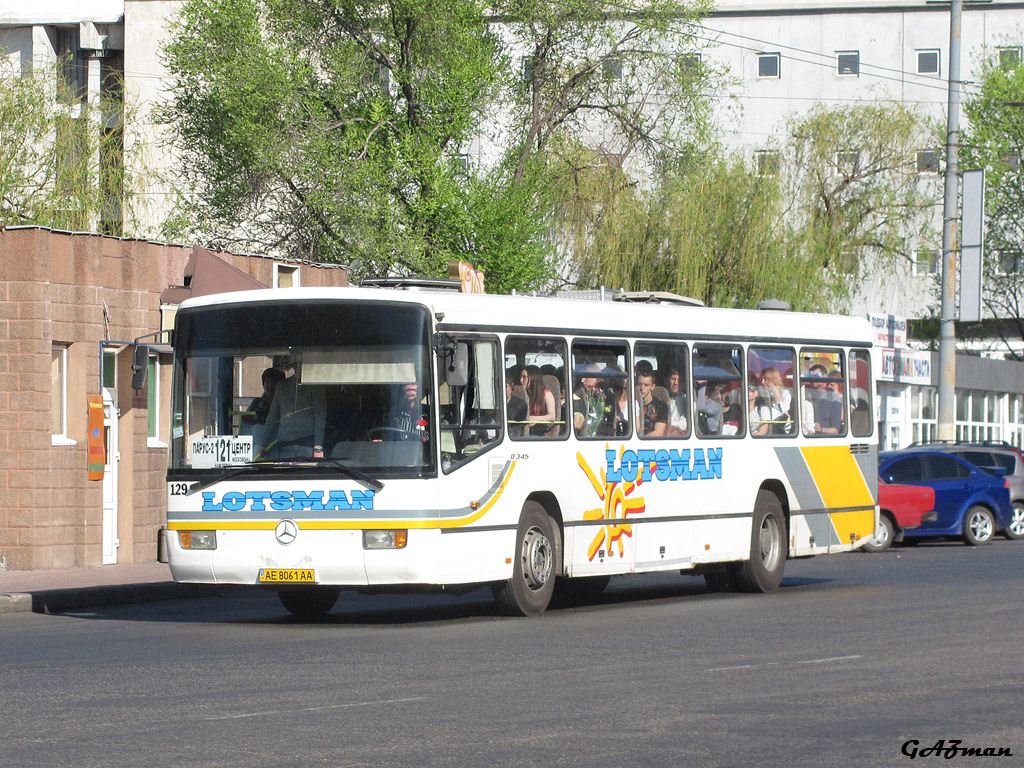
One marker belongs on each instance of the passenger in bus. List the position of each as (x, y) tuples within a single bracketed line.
[(620, 408), (259, 408), (821, 415), (589, 402), (542, 406), (654, 412), (516, 410), (296, 422), (770, 403), (709, 408), (732, 420), (678, 408)]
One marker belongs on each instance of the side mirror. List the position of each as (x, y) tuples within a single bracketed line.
[(140, 367), (457, 369), (999, 471)]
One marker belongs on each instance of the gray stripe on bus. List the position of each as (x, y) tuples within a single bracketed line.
[(800, 478)]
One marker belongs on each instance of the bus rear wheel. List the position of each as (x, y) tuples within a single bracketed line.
[(763, 571), (535, 565), (309, 602)]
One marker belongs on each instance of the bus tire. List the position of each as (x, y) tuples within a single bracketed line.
[(763, 571), (309, 602), (535, 565)]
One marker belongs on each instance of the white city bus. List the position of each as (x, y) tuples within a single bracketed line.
[(425, 438)]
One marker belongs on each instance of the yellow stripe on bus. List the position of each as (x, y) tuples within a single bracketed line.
[(856, 524), (340, 525), (837, 476)]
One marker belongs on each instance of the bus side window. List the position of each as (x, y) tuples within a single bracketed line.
[(771, 391), (862, 418), (823, 392), (666, 402), (718, 401), (471, 413), (599, 372), (540, 369)]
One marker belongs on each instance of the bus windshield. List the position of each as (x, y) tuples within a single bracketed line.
[(289, 384)]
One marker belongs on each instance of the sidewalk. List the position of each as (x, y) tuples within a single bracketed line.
[(67, 589)]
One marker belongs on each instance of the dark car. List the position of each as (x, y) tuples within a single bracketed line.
[(900, 507), (969, 502)]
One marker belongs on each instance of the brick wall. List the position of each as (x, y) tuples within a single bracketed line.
[(80, 290)]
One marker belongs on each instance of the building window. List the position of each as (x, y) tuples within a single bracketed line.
[(153, 399), (612, 68), (928, 62), (927, 161), (848, 63), (526, 65), (1009, 262), (689, 64), (286, 276), (109, 369), (767, 162), (59, 395), (1009, 57), (73, 68), (768, 65), (848, 162), (926, 262)]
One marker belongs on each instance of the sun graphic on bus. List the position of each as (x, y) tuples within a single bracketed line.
[(616, 509)]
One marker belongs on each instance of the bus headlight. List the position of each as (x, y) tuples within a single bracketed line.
[(385, 539), (198, 539)]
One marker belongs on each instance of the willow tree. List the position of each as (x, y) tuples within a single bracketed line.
[(729, 232), (62, 158)]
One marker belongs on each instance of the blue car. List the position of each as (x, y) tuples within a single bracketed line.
[(971, 503)]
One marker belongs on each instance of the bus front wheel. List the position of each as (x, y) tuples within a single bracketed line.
[(763, 571), (535, 565), (309, 602)]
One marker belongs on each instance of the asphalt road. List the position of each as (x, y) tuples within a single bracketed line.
[(853, 657)]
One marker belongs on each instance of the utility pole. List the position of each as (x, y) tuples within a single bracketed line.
[(947, 332)]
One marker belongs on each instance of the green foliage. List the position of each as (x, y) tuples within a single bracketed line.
[(853, 174), (720, 232), (716, 234), (332, 130), (994, 141), (61, 162), (622, 77)]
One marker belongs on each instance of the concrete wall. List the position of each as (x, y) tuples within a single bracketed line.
[(81, 290)]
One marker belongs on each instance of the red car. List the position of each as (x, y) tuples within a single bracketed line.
[(900, 507)]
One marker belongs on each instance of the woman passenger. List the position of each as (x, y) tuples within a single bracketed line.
[(542, 402)]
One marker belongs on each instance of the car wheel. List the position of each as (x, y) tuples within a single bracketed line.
[(535, 566), (1015, 530), (979, 525), (309, 602), (882, 540), (763, 571)]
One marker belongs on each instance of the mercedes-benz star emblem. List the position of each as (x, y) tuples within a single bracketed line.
[(286, 531)]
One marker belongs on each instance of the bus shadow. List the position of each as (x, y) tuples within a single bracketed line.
[(249, 607)]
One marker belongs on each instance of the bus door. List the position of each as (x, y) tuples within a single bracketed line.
[(473, 465)]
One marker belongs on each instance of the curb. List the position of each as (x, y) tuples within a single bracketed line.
[(58, 600)]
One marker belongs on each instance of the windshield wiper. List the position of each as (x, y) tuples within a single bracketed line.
[(355, 474), (241, 469), (227, 474)]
